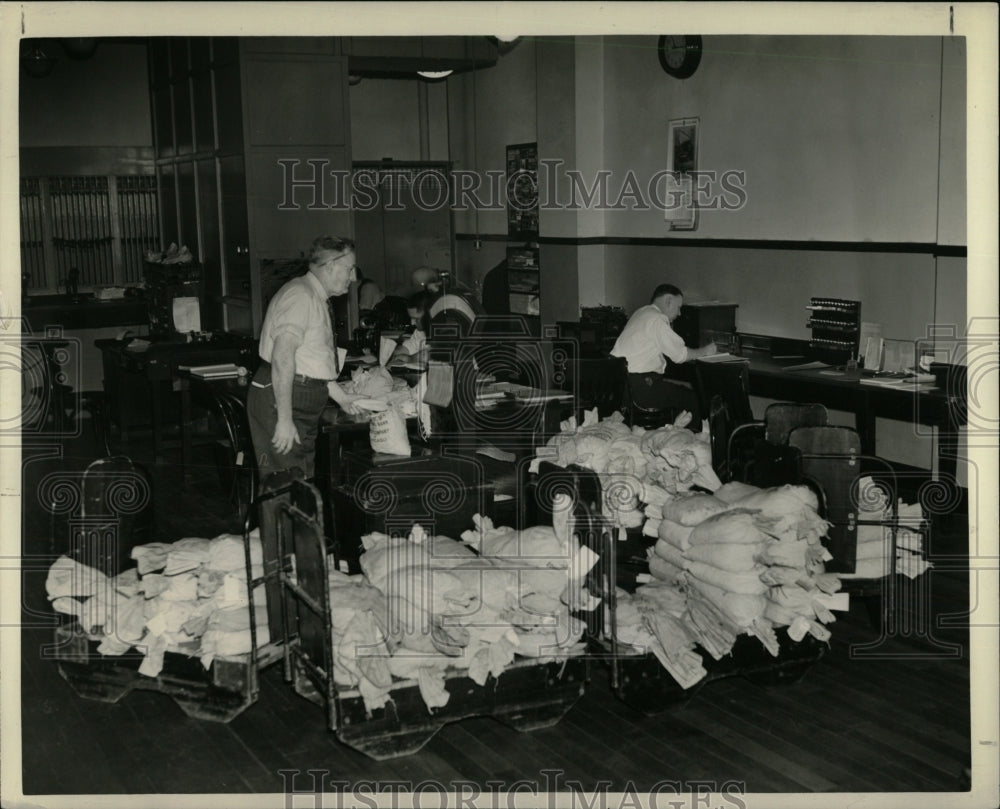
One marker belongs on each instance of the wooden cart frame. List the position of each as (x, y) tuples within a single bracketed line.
[(530, 694), (228, 687), (637, 678)]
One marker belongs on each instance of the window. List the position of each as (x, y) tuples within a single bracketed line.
[(101, 226)]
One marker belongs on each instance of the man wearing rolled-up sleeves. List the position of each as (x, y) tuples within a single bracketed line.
[(647, 342), (298, 367)]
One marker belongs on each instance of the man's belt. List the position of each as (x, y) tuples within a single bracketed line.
[(262, 377)]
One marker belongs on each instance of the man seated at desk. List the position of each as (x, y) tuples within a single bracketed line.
[(298, 364), (413, 348), (385, 311), (647, 342)]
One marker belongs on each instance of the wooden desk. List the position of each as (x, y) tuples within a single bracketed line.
[(938, 408), (338, 428), (191, 387), (335, 423), (86, 313), (141, 383)]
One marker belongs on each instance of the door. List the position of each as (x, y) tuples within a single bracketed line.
[(410, 226)]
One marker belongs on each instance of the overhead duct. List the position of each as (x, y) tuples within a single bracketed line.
[(405, 57)]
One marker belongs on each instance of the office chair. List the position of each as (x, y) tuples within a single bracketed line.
[(240, 471), (731, 381), (759, 454), (639, 415), (722, 390), (720, 433), (601, 383)]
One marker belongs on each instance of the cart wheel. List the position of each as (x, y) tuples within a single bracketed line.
[(304, 688), (535, 718), (383, 746), (217, 708)]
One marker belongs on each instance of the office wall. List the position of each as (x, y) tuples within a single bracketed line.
[(497, 107), (838, 136), (773, 287), (488, 111), (101, 101), (385, 119), (951, 227)]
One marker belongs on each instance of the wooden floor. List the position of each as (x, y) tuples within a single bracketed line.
[(898, 721)]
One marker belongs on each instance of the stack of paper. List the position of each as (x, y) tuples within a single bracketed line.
[(910, 383), (216, 371)]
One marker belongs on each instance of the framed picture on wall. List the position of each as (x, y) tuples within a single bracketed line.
[(682, 160)]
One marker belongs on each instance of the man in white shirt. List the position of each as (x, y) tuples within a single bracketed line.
[(298, 369), (647, 342), (412, 348)]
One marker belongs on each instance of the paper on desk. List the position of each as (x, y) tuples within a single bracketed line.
[(806, 366), (187, 315), (385, 349), (900, 384), (723, 357)]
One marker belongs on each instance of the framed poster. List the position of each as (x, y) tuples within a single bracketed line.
[(522, 191), (682, 159)]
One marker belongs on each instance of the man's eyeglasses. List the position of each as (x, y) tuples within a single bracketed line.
[(354, 267)]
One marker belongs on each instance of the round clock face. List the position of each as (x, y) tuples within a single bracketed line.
[(679, 54)]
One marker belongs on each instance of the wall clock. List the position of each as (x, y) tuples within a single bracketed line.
[(679, 55)]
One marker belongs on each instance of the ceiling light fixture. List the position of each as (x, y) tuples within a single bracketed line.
[(36, 63), (434, 75), (505, 44), (79, 47)]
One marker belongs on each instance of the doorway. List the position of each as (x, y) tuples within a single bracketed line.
[(409, 225)]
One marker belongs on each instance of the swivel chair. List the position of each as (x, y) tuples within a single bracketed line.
[(758, 453), (239, 469)]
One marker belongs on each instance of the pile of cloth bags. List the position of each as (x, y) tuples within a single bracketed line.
[(635, 466), (873, 549), (738, 560), (426, 608), (748, 559), (188, 596), (728, 559)]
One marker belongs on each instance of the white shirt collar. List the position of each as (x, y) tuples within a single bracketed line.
[(317, 285)]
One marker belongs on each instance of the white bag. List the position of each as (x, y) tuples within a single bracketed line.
[(387, 432)]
